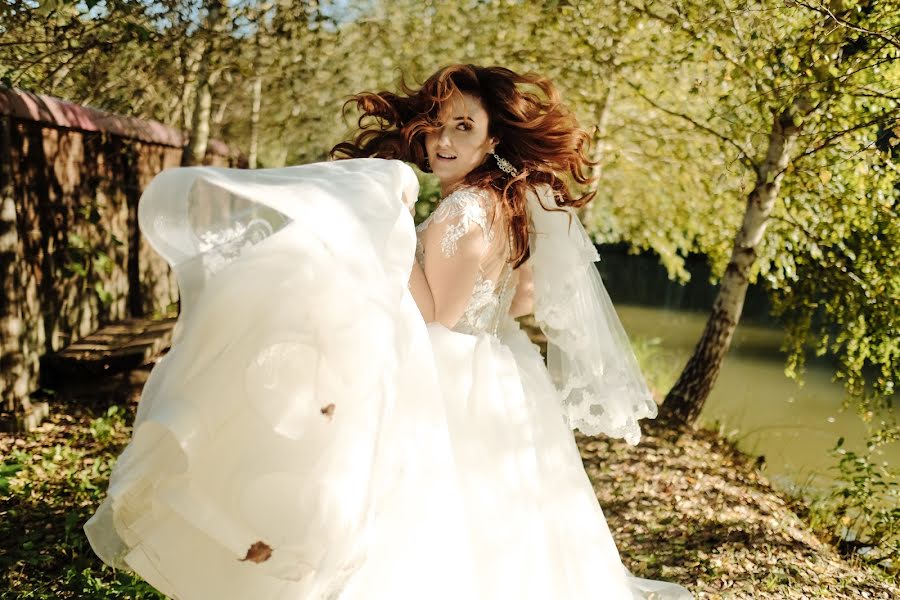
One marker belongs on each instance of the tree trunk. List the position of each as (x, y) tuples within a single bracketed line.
[(188, 80), (256, 102), (254, 122), (600, 147), (195, 150), (600, 136), (687, 397)]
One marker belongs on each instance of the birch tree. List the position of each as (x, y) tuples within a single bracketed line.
[(809, 91)]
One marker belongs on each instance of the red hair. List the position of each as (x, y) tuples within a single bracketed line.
[(538, 135)]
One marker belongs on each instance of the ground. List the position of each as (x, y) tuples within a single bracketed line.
[(697, 511), (692, 510)]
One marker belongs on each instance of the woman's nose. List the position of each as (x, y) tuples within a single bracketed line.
[(444, 137)]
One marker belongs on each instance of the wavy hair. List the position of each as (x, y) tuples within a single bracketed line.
[(538, 135)]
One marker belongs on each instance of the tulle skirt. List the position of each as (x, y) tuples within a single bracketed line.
[(309, 436)]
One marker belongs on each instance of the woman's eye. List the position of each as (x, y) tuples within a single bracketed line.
[(465, 126)]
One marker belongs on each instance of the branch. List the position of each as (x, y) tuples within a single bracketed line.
[(841, 77), (744, 155), (831, 139), (890, 39)]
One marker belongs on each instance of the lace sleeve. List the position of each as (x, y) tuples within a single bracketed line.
[(460, 210), (457, 238)]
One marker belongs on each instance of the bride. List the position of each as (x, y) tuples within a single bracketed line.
[(349, 409)]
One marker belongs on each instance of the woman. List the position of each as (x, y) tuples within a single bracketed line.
[(349, 409)]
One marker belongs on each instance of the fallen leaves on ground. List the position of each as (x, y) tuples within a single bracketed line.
[(695, 511)]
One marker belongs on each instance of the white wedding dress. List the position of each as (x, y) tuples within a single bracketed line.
[(309, 436)]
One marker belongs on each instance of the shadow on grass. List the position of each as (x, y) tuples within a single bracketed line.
[(58, 476)]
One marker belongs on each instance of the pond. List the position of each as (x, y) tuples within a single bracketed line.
[(753, 402)]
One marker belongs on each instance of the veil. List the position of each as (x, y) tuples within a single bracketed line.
[(589, 357)]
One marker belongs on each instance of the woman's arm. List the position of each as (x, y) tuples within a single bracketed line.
[(453, 245), (523, 301), (421, 292)]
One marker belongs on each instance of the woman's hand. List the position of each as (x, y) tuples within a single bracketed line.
[(523, 302), (409, 198)]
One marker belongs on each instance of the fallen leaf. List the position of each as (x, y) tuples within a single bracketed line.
[(328, 410), (258, 552)]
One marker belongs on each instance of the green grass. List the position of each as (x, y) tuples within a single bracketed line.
[(50, 483)]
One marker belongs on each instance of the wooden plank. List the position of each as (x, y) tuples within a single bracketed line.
[(115, 347)]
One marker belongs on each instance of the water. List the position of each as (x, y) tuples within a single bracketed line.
[(753, 401)]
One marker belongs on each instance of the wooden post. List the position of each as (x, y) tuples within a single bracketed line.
[(12, 365), (13, 370)]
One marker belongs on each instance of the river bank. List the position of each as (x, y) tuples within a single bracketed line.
[(694, 511), (697, 511)]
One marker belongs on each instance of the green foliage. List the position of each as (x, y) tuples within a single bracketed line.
[(719, 78), (104, 427), (861, 511), (9, 468), (50, 483), (87, 260)]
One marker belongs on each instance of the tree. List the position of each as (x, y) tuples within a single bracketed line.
[(215, 25), (817, 81)]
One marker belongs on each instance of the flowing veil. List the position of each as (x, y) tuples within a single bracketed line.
[(589, 356)]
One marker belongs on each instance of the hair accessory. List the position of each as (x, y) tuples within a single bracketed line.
[(505, 165)]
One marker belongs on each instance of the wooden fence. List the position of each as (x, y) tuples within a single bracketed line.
[(71, 255)]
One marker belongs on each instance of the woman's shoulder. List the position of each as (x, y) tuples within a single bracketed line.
[(469, 198), (466, 207)]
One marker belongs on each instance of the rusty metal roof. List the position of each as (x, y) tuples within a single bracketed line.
[(41, 108)]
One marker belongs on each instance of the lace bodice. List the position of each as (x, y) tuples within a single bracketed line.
[(491, 297)]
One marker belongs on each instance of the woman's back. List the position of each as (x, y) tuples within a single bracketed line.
[(464, 244)]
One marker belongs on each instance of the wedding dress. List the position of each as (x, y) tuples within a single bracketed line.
[(309, 436)]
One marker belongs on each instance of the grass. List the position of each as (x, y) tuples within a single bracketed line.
[(50, 483)]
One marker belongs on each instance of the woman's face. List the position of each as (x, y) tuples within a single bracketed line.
[(461, 142)]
